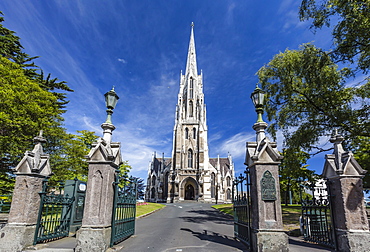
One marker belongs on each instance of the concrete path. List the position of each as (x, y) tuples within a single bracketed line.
[(182, 227)]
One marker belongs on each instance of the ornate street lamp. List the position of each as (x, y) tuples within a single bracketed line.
[(258, 98), (111, 99)]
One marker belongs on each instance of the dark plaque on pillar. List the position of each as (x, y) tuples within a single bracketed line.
[(268, 187)]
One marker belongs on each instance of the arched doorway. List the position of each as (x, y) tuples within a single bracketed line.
[(189, 189), (189, 192)]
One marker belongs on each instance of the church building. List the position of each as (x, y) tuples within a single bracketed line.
[(190, 174)]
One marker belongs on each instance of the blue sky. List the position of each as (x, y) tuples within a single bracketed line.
[(140, 47)]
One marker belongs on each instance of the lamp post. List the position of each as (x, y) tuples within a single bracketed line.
[(258, 98), (111, 99)]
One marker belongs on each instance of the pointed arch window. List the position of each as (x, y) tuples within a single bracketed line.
[(194, 133), (190, 108), (228, 181), (191, 88), (228, 194), (190, 158), (186, 133), (153, 180)]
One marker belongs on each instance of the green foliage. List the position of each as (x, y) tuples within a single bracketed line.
[(11, 48), (68, 161), (293, 173), (310, 95), (351, 24), (361, 149), (25, 108), (308, 99), (29, 102), (125, 168)]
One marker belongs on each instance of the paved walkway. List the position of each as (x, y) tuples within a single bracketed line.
[(181, 227)]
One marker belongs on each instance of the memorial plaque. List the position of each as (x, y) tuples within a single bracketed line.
[(268, 187)]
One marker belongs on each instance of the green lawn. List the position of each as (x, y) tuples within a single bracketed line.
[(142, 209), (226, 208), (290, 214)]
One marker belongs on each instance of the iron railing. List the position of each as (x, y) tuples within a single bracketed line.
[(242, 209), (317, 221), (54, 214), (124, 208)]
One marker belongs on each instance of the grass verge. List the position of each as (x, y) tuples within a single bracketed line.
[(226, 208), (142, 209), (290, 214)]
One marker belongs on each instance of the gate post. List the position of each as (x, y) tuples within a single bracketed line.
[(104, 159), (31, 171), (263, 159), (347, 199)]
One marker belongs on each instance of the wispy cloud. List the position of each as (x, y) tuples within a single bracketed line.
[(122, 60), (235, 144)]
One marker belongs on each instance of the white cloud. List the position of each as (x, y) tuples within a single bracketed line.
[(122, 60), (235, 145)]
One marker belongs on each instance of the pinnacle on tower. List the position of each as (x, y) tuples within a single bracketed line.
[(191, 64)]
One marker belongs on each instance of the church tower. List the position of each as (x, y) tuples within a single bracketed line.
[(190, 174), (190, 147)]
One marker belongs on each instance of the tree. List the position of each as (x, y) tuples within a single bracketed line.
[(25, 108), (124, 168), (293, 172), (140, 188), (68, 162), (308, 98), (29, 102), (12, 49), (351, 24)]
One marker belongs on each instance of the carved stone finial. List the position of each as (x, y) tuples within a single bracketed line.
[(35, 161)]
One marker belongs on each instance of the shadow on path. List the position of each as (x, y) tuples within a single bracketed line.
[(201, 216), (217, 238)]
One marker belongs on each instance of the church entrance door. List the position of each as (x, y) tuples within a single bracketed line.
[(189, 192)]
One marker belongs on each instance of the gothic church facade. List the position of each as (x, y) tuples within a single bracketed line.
[(190, 174)]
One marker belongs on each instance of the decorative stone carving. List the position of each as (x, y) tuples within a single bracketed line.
[(35, 161)]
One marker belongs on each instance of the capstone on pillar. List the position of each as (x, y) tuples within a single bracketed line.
[(347, 199), (33, 169)]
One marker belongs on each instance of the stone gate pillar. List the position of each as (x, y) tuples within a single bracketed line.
[(19, 232), (263, 159), (104, 159), (345, 182)]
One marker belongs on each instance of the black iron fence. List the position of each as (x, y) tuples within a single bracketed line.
[(242, 209), (54, 213), (317, 221), (124, 208)]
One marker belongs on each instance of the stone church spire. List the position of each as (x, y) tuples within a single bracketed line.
[(191, 64), (190, 174)]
